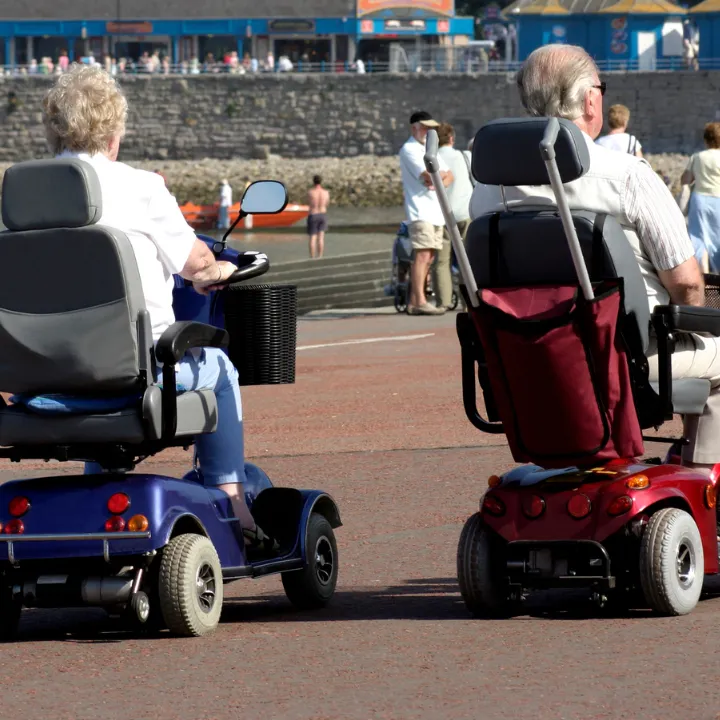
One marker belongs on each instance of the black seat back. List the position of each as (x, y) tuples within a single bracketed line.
[(528, 246), (71, 296)]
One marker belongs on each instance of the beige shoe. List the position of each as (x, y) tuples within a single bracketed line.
[(425, 309)]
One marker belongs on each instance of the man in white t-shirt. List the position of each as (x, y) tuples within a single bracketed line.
[(422, 210), (618, 138)]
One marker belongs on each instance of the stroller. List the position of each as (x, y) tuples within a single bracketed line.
[(402, 257)]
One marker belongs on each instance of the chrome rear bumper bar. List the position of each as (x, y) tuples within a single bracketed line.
[(105, 537)]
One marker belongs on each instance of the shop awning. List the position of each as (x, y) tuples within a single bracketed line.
[(644, 7)]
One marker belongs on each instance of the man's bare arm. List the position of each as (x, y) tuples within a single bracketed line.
[(685, 283)]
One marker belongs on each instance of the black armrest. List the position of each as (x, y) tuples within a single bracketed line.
[(687, 318), (170, 348), (181, 336)]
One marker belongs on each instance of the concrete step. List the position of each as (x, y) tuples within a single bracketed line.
[(341, 288), (351, 299), (349, 279), (345, 281), (328, 262), (320, 274)]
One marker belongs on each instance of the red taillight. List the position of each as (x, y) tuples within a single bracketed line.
[(114, 524), (533, 506), (620, 505), (493, 505), (19, 506), (118, 503), (579, 506), (15, 527)]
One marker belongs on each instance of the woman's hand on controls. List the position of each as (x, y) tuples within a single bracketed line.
[(226, 270)]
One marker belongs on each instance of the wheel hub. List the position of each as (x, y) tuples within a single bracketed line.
[(324, 560), (685, 563), (205, 587)]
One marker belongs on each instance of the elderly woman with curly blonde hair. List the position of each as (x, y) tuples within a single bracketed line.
[(84, 113)]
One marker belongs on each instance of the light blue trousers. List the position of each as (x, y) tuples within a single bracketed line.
[(221, 454)]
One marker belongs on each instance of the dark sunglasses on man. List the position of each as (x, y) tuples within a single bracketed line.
[(601, 87)]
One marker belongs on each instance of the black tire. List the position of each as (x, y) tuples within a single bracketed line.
[(455, 299), (189, 607), (313, 586), (400, 299), (672, 562), (480, 560), (10, 611)]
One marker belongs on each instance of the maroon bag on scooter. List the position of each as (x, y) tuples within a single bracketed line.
[(559, 373)]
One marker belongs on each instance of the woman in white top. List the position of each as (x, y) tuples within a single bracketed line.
[(618, 138), (84, 114), (703, 173)]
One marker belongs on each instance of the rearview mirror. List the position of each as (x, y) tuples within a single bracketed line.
[(264, 197)]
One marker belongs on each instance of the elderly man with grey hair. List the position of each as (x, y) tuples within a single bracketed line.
[(563, 81)]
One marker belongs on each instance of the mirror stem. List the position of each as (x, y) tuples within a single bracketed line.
[(241, 215)]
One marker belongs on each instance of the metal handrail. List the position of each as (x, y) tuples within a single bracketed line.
[(452, 63)]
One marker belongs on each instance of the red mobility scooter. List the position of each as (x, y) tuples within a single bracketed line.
[(557, 332)]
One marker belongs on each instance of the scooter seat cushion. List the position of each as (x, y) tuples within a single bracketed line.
[(69, 405), (58, 404)]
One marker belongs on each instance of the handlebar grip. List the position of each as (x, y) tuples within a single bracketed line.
[(255, 264), (431, 150)]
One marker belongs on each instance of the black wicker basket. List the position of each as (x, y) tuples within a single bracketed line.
[(712, 291), (262, 323)]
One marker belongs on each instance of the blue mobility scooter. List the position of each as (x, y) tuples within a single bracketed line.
[(77, 349)]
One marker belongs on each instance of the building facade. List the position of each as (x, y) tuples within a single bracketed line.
[(314, 31)]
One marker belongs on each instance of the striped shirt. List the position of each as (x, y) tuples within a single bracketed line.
[(645, 205), (650, 207)]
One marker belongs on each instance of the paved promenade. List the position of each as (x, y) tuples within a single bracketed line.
[(375, 418)]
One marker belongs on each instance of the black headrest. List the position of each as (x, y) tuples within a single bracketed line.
[(507, 152), (60, 193)]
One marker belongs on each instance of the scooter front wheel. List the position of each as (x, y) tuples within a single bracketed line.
[(314, 585)]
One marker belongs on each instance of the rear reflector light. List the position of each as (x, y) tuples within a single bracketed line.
[(620, 505), (493, 505), (533, 506), (579, 506), (638, 482), (138, 523), (19, 506), (710, 496), (118, 503), (494, 481), (15, 527), (114, 524)]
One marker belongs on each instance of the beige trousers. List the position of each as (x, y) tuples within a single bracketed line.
[(697, 356), (442, 275)]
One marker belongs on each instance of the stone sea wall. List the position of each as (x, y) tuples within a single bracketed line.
[(348, 128), (324, 115)]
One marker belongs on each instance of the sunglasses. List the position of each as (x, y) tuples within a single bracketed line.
[(602, 87)]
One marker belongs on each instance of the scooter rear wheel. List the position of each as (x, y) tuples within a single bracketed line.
[(672, 563), (480, 561), (190, 585)]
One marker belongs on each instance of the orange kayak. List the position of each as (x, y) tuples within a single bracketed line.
[(205, 217)]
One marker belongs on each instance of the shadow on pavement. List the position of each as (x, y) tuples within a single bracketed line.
[(422, 599), (427, 599)]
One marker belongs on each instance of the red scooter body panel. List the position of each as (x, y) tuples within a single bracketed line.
[(602, 486)]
